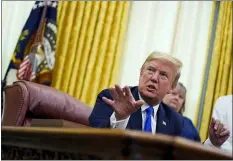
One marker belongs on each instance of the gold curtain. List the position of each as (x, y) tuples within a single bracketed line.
[(220, 74), (206, 59), (89, 46)]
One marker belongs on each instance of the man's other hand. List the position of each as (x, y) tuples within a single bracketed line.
[(218, 133)]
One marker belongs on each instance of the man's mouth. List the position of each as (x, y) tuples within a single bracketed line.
[(151, 88)]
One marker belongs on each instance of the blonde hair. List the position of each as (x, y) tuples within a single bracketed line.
[(182, 109), (169, 58)]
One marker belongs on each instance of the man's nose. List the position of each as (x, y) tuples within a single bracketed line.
[(155, 77)]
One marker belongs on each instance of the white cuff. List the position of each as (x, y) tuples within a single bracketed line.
[(121, 124), (208, 143), (224, 149)]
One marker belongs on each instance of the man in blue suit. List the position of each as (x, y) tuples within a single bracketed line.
[(141, 107)]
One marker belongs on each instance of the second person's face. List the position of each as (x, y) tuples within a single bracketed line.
[(175, 98)]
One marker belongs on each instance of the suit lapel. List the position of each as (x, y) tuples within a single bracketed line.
[(135, 121), (162, 125)]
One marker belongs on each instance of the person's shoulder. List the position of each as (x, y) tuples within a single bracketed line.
[(227, 98), (190, 130), (187, 120), (223, 102), (105, 93), (188, 123), (170, 111)]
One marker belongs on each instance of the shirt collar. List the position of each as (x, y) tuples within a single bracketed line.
[(145, 105)]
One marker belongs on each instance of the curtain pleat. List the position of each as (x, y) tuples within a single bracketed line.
[(220, 75), (206, 59), (89, 46)]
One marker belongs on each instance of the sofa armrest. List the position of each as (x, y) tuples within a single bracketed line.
[(16, 105), (50, 103)]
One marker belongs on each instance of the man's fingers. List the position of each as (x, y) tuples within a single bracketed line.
[(220, 128), (216, 124), (113, 94), (128, 92), (225, 131), (108, 101), (119, 91), (211, 125), (213, 121)]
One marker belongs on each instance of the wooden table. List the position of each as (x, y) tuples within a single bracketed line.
[(107, 143), (56, 123)]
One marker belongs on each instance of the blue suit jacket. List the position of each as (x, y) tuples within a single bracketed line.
[(100, 116), (189, 131)]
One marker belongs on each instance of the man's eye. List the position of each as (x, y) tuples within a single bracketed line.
[(150, 69), (164, 75)]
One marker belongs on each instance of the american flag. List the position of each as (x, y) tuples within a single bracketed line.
[(27, 69)]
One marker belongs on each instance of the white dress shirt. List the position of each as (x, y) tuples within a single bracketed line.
[(223, 112), (121, 124)]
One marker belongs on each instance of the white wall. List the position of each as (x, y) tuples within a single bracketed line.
[(177, 27), (14, 16)]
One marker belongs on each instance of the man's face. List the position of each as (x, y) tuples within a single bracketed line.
[(156, 79)]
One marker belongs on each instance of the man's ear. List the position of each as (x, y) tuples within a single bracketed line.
[(169, 90), (141, 72), (174, 84)]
